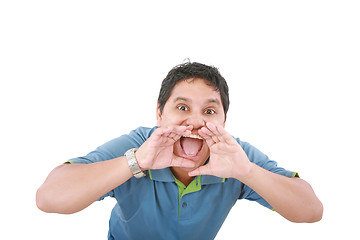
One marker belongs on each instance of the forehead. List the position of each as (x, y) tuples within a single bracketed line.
[(195, 89)]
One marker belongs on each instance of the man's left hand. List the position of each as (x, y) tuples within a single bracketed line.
[(227, 158)]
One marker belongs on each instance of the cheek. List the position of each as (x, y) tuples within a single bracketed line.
[(220, 120), (168, 119), (168, 122)]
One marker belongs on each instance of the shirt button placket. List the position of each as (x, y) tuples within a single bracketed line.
[(185, 212)]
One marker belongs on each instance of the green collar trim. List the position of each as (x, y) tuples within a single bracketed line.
[(194, 186), (165, 175)]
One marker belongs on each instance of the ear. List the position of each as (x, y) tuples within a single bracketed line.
[(158, 115)]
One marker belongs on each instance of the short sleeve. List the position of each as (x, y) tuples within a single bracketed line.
[(260, 159), (115, 148)]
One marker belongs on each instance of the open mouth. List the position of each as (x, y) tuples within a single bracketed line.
[(191, 145)]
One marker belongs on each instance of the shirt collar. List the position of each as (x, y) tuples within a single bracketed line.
[(165, 175)]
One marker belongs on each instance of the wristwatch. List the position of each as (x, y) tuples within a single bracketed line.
[(133, 164)]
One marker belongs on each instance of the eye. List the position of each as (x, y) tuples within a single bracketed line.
[(209, 111), (182, 108)]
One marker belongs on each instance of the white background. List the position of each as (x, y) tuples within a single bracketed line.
[(75, 74)]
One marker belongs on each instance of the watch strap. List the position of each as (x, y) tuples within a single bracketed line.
[(133, 164)]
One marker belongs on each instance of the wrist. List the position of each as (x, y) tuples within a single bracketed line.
[(244, 173), (138, 157), (133, 163)]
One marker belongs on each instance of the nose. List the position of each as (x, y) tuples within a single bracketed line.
[(196, 121)]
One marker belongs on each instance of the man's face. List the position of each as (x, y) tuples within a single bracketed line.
[(192, 102)]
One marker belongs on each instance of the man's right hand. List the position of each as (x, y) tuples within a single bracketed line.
[(157, 151)]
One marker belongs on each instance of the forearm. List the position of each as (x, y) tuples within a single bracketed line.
[(70, 188), (293, 198)]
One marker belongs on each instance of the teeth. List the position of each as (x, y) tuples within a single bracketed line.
[(194, 136)]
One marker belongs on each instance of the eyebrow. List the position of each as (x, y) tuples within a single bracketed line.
[(210, 100)]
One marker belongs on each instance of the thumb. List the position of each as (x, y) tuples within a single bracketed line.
[(181, 162), (203, 170)]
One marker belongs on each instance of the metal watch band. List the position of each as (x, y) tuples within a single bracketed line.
[(133, 164)]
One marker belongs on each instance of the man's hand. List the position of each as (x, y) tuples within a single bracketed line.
[(293, 198), (157, 151), (227, 158)]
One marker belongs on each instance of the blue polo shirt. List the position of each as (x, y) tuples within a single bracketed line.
[(159, 206)]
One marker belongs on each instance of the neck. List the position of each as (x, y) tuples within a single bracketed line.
[(182, 175)]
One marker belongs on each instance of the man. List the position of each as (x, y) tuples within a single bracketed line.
[(180, 179)]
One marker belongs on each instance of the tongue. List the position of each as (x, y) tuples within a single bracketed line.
[(191, 146)]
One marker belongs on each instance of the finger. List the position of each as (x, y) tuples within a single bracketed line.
[(203, 170), (182, 162), (173, 136), (211, 127), (225, 135), (205, 133), (194, 173), (164, 135), (167, 130), (182, 130), (218, 137), (159, 132), (190, 127), (212, 132), (179, 131)]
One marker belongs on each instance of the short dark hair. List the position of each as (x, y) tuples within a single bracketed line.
[(194, 70)]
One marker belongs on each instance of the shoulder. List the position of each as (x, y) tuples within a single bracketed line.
[(117, 146), (247, 147), (262, 160), (254, 154), (134, 139), (142, 133), (137, 136)]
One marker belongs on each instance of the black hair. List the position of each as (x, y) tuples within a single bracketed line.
[(190, 71)]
